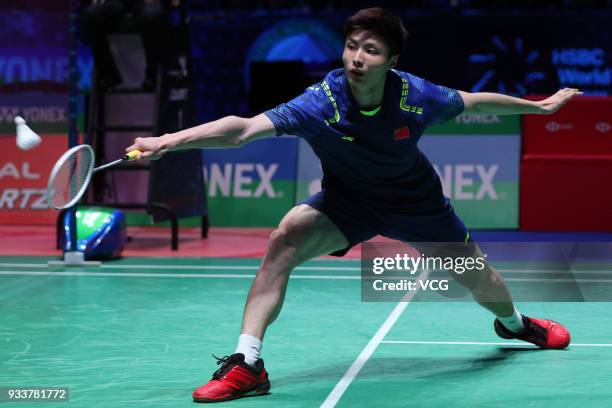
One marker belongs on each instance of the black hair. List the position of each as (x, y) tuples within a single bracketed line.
[(379, 21)]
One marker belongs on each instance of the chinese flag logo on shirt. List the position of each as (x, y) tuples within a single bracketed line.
[(401, 133)]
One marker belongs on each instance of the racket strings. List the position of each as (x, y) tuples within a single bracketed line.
[(71, 178)]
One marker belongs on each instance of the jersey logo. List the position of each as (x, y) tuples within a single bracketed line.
[(403, 105), (401, 133), (328, 92), (348, 138)]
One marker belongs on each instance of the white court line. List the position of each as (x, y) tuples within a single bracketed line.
[(548, 280), (255, 267), (189, 267), (23, 265), (170, 275), (480, 343), (578, 271), (230, 267), (335, 395), (229, 275), (554, 280), (303, 268)]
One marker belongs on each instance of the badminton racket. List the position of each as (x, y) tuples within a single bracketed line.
[(72, 173)]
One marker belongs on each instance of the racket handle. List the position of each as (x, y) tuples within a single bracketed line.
[(133, 155)]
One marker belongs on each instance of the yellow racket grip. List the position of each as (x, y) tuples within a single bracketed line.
[(133, 155)]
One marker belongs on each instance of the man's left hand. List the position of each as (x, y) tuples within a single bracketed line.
[(555, 102)]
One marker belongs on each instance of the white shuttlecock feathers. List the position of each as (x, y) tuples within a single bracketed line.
[(27, 139)]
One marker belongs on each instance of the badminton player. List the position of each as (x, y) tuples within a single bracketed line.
[(363, 121)]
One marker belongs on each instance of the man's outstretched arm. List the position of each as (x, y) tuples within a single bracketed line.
[(494, 103), (230, 131)]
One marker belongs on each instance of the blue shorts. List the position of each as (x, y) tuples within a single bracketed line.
[(359, 222)]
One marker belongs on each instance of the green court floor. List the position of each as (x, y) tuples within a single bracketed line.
[(141, 331)]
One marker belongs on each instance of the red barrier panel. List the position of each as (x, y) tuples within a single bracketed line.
[(582, 127), (565, 193), (23, 180)]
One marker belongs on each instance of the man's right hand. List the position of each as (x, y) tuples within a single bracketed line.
[(151, 148)]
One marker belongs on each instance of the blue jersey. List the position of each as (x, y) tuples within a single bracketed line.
[(373, 158)]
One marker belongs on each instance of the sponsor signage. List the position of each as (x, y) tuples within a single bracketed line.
[(582, 127), (43, 112), (23, 179), (253, 186), (477, 158)]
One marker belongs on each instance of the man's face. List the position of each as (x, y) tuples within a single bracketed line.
[(366, 58)]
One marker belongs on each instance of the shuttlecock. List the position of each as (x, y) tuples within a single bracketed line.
[(26, 138)]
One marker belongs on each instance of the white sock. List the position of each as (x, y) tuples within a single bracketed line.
[(514, 322), (250, 346)]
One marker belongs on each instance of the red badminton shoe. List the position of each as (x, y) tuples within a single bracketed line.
[(235, 379), (546, 334)]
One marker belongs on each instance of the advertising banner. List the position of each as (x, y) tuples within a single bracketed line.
[(583, 127), (477, 158), (309, 172), (253, 186), (23, 179), (44, 112)]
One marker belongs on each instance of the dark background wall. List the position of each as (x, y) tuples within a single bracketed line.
[(516, 47)]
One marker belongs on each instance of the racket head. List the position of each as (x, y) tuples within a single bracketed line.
[(70, 177)]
